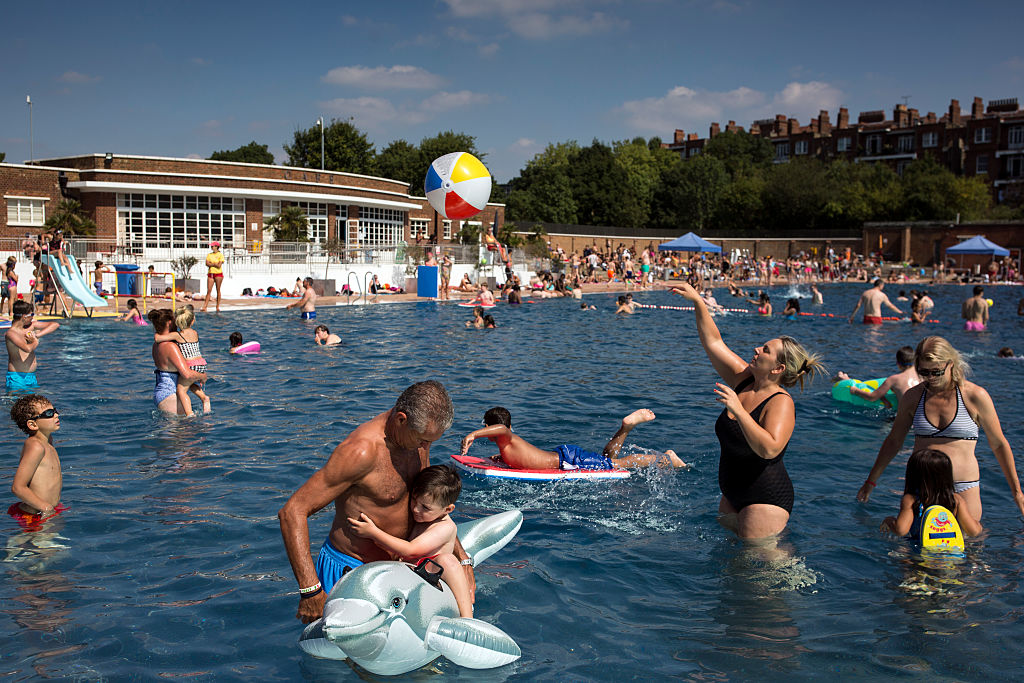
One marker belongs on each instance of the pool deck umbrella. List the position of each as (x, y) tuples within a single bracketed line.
[(978, 245), (690, 242)]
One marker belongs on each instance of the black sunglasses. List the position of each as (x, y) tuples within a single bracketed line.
[(932, 373), (46, 414)]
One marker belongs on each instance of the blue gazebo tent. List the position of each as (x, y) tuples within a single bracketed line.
[(977, 245), (690, 242)]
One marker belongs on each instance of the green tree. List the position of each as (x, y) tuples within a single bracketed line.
[(740, 205), (860, 192), (253, 153), (932, 192), (600, 188), (542, 191), (741, 152), (795, 195), (2, 157), (400, 160), (643, 176), (690, 193), (346, 149), (291, 225), (70, 218)]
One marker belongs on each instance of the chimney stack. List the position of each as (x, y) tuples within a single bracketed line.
[(824, 127), (680, 136), (901, 116), (715, 129), (978, 108), (844, 118), (954, 113)]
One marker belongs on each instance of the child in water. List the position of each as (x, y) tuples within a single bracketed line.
[(478, 318), (38, 480), (792, 309), (929, 481), (489, 323), (432, 499), (132, 314), (187, 340), (234, 341)]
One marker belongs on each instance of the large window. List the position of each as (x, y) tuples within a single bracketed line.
[(419, 227), (930, 139), (1016, 137), (843, 144), (905, 143), (447, 230), (1015, 166), (319, 215), (380, 227), (782, 150), (180, 221), (801, 147), (982, 135), (874, 144), (25, 210), (981, 164)]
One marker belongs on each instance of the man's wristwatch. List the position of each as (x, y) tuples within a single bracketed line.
[(468, 562)]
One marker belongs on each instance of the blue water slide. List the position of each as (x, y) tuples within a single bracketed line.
[(72, 282)]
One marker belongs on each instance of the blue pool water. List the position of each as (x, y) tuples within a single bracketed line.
[(170, 562)]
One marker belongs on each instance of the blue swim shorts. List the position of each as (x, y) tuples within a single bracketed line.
[(38, 297), (308, 315), (331, 564), (21, 381), (575, 458)]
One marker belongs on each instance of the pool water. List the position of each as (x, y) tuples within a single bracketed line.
[(170, 562)]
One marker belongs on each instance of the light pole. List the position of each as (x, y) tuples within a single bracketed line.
[(321, 122), (31, 147)]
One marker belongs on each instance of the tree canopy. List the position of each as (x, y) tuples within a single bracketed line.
[(253, 153), (346, 148)]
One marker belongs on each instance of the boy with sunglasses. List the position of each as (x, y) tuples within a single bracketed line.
[(38, 480)]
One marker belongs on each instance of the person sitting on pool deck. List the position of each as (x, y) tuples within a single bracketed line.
[(370, 472), (899, 383), (872, 300), (308, 301), (22, 340), (323, 337), (519, 454)]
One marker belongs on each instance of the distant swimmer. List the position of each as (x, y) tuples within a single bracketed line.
[(38, 480), (623, 305), (792, 309), (478, 318), (517, 453), (763, 303), (308, 301), (872, 300), (974, 311), (1005, 352), (816, 297), (906, 378), (586, 307), (485, 297), (323, 337), (489, 323), (22, 340)]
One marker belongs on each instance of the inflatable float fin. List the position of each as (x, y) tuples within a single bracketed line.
[(471, 643), (314, 642), (483, 537), (940, 530)]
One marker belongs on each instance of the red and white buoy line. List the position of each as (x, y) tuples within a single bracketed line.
[(744, 310)]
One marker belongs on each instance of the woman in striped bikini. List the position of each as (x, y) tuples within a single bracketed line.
[(945, 411)]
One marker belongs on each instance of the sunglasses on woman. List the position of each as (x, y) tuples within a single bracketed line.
[(931, 373), (46, 414)]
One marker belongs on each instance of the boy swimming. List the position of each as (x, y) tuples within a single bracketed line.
[(323, 337)]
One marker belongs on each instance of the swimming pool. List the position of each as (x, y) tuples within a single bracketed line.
[(170, 562)]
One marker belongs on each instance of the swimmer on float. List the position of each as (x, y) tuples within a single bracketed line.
[(307, 304), (945, 397), (323, 337), (237, 345), (516, 452), (899, 383), (755, 426), (929, 481)]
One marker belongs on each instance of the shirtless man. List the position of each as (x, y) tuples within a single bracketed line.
[(307, 303), (369, 472), (22, 340), (899, 383), (517, 453), (872, 300), (975, 311)]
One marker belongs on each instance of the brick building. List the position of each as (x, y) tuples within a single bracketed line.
[(156, 202), (988, 142)]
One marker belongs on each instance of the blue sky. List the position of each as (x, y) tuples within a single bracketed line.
[(187, 78)]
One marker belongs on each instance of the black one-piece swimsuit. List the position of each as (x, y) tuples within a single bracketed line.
[(745, 477)]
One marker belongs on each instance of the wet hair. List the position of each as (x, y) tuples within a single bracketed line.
[(160, 318), (929, 477), (131, 303), (235, 339), (905, 356), (794, 304), (583, 305), (622, 300), (321, 328), (877, 282), (25, 408), (440, 483), (798, 363), (99, 263), (489, 321), (498, 415), (1005, 352), (763, 296), (426, 403), (938, 350), (20, 309), (185, 317), (978, 290)]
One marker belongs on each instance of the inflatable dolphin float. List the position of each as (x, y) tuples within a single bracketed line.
[(389, 619)]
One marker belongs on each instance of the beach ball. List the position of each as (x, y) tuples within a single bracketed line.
[(457, 185), (990, 302)]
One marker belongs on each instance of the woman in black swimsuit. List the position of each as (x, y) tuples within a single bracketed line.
[(755, 427)]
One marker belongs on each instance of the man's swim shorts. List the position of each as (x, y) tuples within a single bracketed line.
[(575, 458), (872, 320), (331, 564), (33, 521), (21, 381), (309, 315)]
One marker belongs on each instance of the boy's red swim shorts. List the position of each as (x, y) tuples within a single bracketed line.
[(33, 522)]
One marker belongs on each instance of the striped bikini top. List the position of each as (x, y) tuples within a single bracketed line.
[(189, 350), (960, 427)]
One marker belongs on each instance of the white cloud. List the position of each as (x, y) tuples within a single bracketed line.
[(365, 110), (371, 112), (384, 77), (199, 61), (446, 101), (349, 20), (524, 143), (194, 156), (79, 78), (695, 110), (488, 50), (540, 19)]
